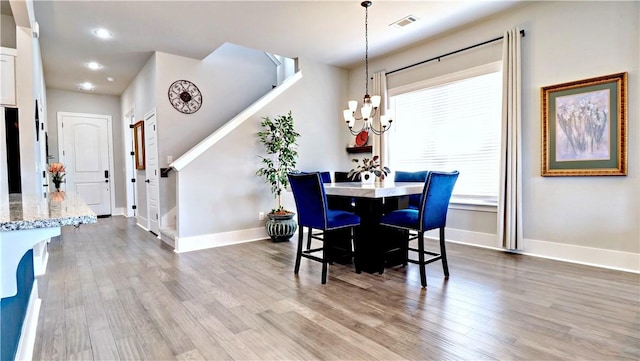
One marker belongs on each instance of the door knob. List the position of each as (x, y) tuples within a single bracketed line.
[(148, 181)]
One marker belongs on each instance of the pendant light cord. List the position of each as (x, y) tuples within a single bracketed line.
[(366, 48)]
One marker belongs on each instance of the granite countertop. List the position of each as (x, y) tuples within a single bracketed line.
[(60, 209)]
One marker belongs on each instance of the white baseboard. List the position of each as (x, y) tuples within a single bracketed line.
[(486, 240), (168, 236), (598, 257), (28, 335), (143, 227), (605, 258), (622, 261), (119, 211), (187, 244)]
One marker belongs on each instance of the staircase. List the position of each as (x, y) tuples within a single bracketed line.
[(171, 233)]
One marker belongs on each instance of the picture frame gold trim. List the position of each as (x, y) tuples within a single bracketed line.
[(584, 127), (138, 144)]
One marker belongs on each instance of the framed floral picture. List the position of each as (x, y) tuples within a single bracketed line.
[(584, 127), (138, 143)]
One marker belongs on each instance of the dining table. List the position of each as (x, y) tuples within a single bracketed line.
[(374, 247)]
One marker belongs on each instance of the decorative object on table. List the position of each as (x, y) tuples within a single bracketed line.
[(370, 104), (57, 196), (57, 172), (185, 96), (138, 143), (279, 139), (368, 170), (584, 127), (362, 138)]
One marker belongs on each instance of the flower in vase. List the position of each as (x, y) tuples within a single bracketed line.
[(57, 173), (369, 165)]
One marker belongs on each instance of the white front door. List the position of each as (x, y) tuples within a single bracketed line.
[(83, 146), (152, 171)]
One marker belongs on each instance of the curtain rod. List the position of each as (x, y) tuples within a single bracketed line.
[(451, 53)]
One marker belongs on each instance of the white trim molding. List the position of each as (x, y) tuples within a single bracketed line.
[(29, 326), (605, 258), (212, 240), (486, 240), (597, 257)]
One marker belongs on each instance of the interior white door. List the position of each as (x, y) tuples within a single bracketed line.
[(152, 172), (84, 150)]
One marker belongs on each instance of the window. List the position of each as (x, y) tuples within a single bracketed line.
[(451, 123)]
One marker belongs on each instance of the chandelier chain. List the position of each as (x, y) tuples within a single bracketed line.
[(366, 49)]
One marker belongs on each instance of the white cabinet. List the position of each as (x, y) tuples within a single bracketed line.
[(7, 76)]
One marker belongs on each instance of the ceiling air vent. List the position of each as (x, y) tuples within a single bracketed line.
[(404, 21)]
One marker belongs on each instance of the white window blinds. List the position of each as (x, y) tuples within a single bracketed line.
[(451, 125)]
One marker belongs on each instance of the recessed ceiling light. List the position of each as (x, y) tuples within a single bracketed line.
[(94, 66), (103, 33), (110, 79), (86, 86)]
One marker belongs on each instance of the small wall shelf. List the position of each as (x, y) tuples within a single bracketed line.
[(364, 149)]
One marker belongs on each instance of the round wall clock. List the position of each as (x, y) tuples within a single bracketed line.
[(185, 96)]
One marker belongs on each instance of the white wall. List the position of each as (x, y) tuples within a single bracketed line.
[(26, 93), (564, 41), (229, 79), (77, 102), (141, 97), (220, 191), (7, 31)]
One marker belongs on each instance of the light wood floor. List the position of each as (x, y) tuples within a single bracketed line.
[(113, 291)]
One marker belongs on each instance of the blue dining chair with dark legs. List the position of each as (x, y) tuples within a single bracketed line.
[(313, 213), (431, 214), (418, 176)]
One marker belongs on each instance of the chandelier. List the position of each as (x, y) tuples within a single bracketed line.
[(370, 104)]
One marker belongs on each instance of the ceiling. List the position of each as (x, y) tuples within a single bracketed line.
[(330, 32)]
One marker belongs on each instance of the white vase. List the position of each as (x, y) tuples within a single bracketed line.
[(367, 177)]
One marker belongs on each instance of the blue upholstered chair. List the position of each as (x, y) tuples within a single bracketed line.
[(431, 214), (313, 213), (419, 176), (326, 177)]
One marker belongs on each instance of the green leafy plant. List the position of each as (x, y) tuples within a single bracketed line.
[(279, 139), (368, 165)]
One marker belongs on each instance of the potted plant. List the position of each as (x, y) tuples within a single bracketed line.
[(279, 139), (369, 168)]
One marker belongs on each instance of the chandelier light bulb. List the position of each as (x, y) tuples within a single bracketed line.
[(366, 110), (375, 101)]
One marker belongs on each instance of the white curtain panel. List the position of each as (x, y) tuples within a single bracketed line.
[(380, 143), (510, 193)]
